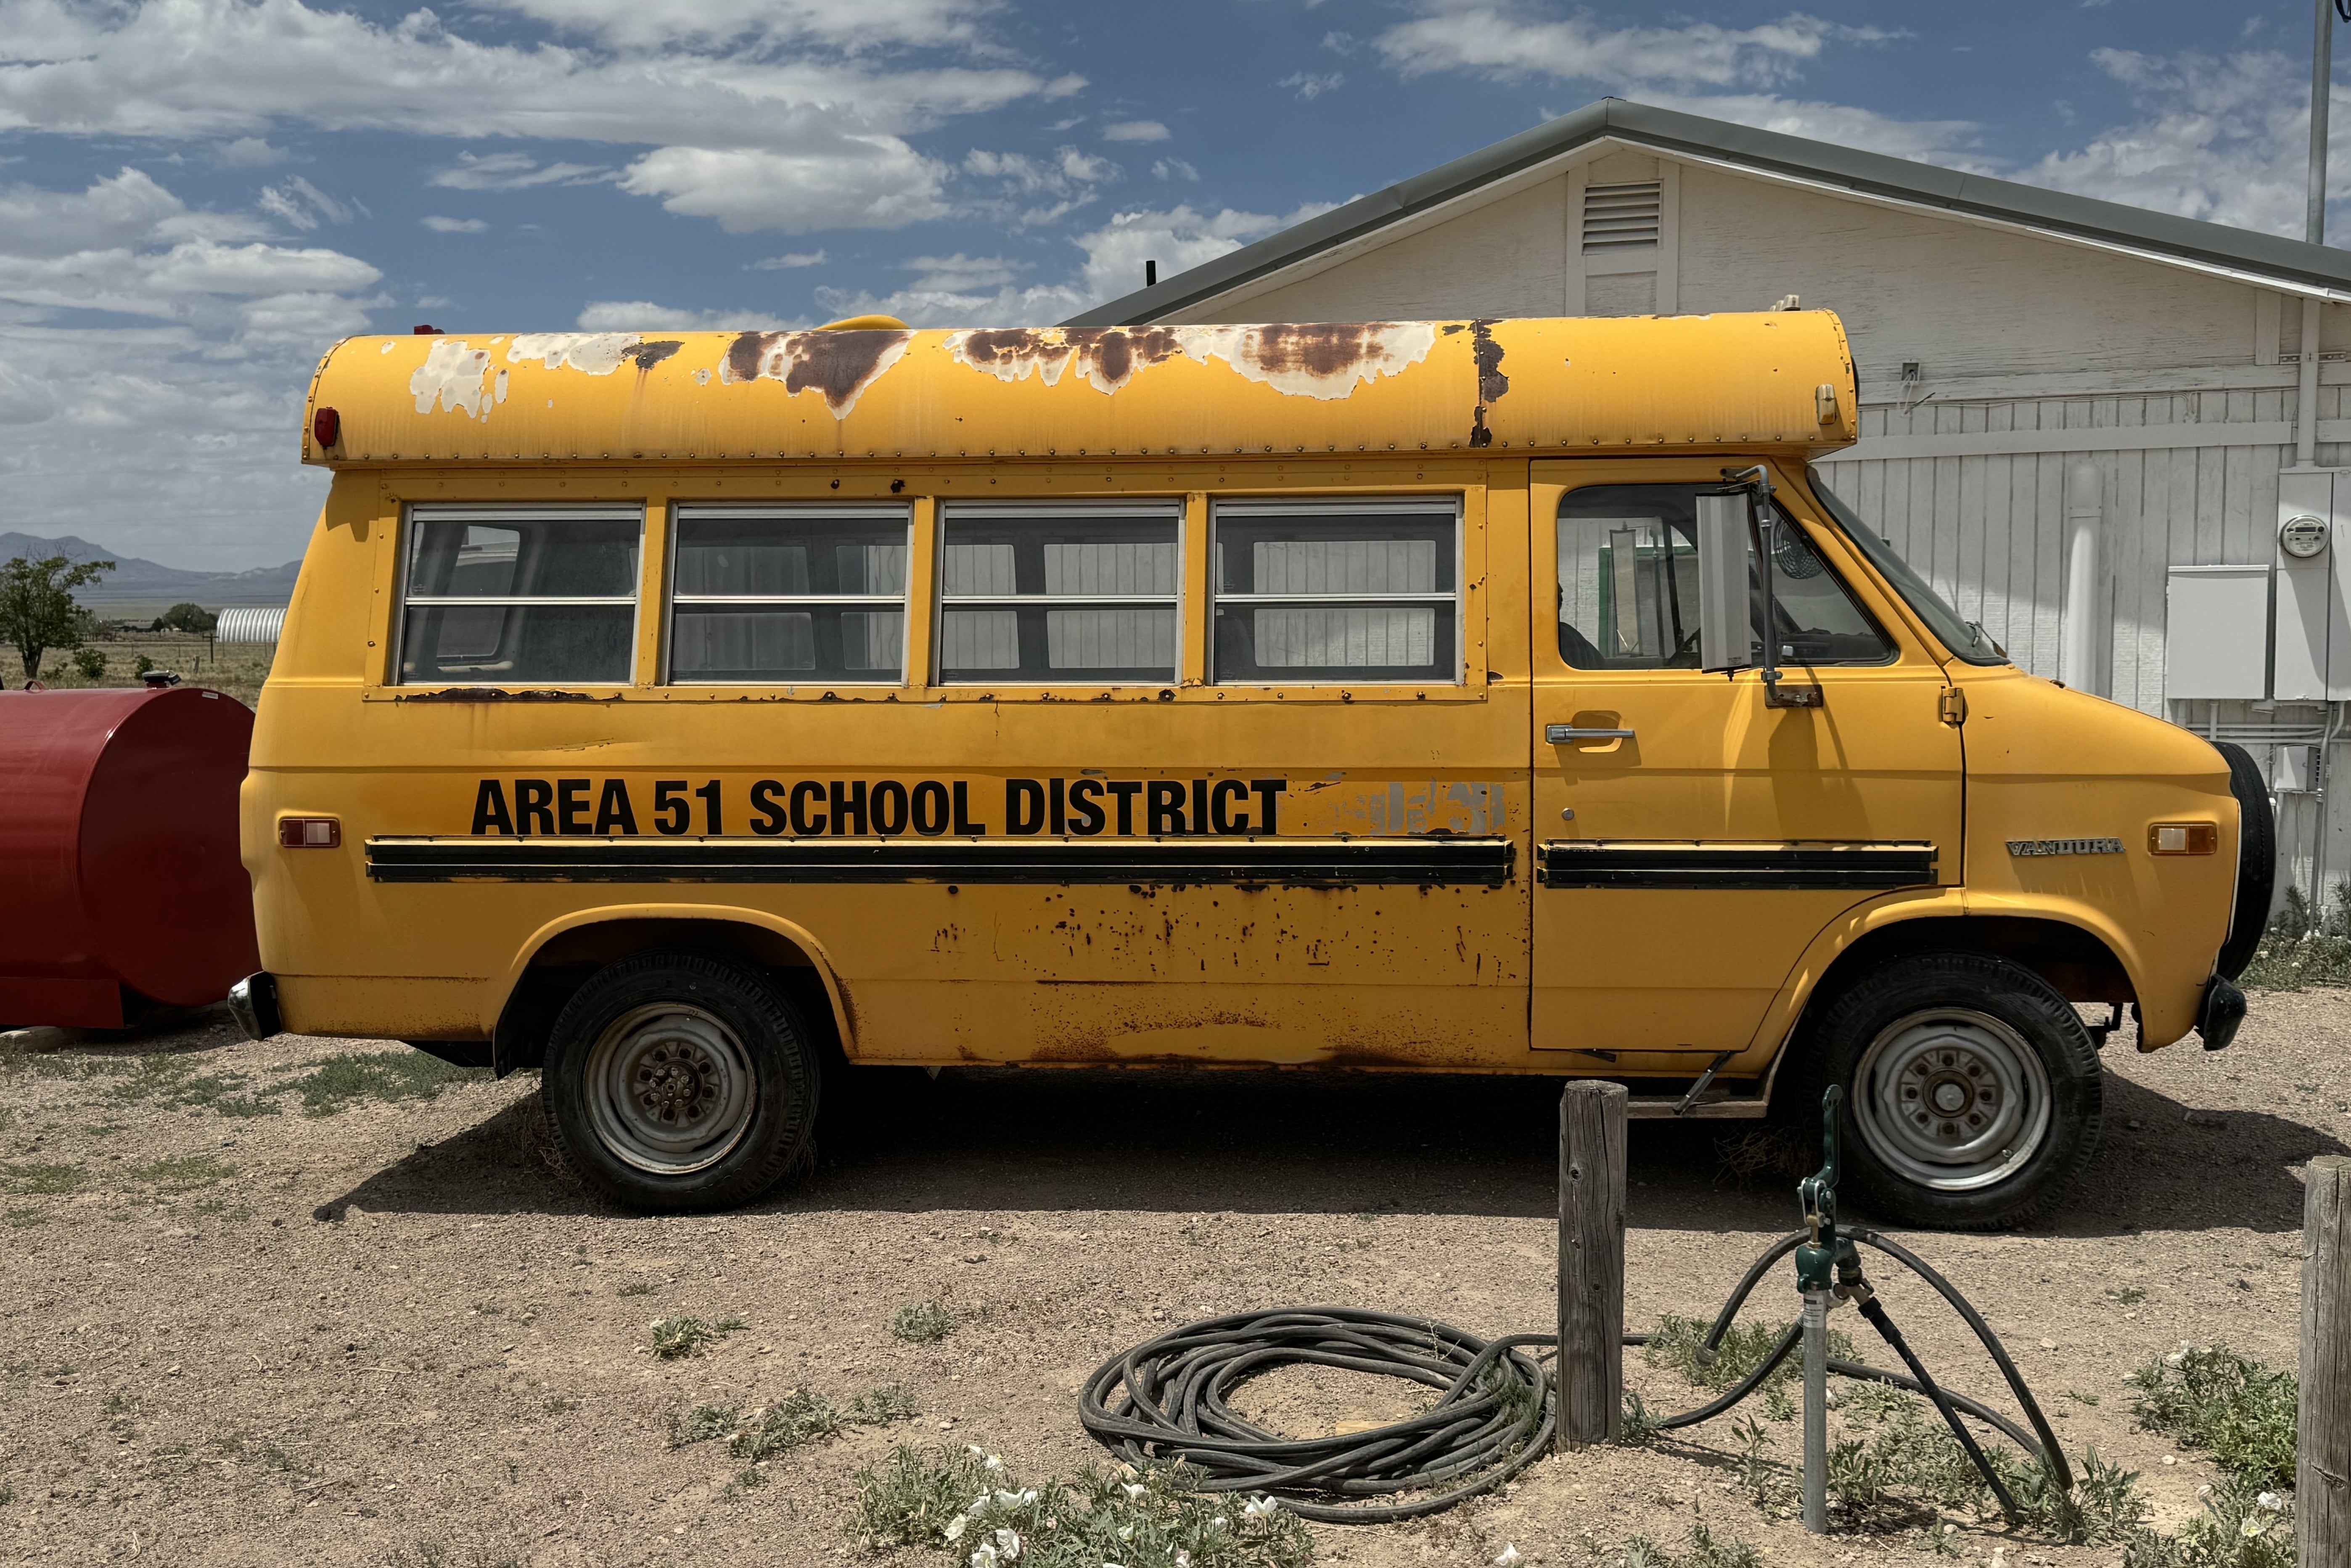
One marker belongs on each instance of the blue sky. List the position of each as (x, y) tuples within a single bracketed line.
[(198, 196)]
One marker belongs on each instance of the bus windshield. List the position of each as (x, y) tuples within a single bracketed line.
[(1966, 639)]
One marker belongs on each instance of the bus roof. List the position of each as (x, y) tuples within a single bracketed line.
[(1542, 386)]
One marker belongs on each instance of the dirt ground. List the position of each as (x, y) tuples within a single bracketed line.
[(265, 1305)]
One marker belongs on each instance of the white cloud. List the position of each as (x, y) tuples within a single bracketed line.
[(2217, 140), (1945, 142), (1501, 39), (1311, 85), (1176, 238), (1175, 169), (442, 226), (224, 331), (850, 25), (251, 153), (1134, 130), (645, 315), (236, 67), (303, 205), (961, 273), (790, 261), (513, 171), (839, 182)]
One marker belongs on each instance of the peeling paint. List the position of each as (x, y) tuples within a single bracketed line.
[(1318, 360), (452, 376), (1491, 383), (597, 353), (840, 365)]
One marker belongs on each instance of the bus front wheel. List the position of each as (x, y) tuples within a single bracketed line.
[(1972, 1097), (682, 1082)]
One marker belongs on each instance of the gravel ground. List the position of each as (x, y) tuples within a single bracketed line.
[(266, 1303)]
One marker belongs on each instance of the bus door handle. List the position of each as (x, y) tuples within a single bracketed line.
[(1562, 734)]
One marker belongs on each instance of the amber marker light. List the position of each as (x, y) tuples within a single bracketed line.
[(2182, 838), (310, 833)]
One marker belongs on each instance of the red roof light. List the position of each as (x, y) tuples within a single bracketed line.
[(327, 427)]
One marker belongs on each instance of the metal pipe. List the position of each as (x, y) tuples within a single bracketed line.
[(1816, 1412), (2077, 650), (2322, 81), (2305, 410)]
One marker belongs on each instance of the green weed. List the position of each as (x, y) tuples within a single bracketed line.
[(676, 1337), (636, 1288), (708, 1421), (922, 1322), (1703, 1551), (1679, 1343), (39, 1180), (183, 1174), (966, 1506), (389, 1076), (2237, 1409)]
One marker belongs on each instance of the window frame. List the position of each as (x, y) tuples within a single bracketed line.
[(495, 514), (1392, 503), (1787, 519), (1121, 508), (683, 512)]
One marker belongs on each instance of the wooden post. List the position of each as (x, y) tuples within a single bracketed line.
[(2322, 1477), (1590, 1368)]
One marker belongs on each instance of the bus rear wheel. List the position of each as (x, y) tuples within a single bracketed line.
[(681, 1081), (1972, 1097)]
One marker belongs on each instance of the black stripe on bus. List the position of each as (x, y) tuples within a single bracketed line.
[(1310, 862), (1788, 866)]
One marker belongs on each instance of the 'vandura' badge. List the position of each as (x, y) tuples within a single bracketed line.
[(2064, 846)]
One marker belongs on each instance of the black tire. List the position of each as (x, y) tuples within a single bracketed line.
[(2024, 1104), (2249, 917), (682, 1082)]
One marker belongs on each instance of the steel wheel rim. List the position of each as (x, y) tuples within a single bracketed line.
[(1952, 1099), (670, 1089)]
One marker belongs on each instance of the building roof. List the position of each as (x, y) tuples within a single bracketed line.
[(2270, 260)]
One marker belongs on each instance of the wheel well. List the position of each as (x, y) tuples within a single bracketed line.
[(2077, 964), (564, 964)]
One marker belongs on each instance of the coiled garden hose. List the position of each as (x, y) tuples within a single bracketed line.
[(1167, 1400)]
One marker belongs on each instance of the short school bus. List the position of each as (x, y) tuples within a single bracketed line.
[(694, 717)]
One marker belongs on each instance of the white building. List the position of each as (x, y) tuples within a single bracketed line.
[(2026, 356)]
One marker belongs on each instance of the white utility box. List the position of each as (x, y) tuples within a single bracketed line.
[(2217, 644)]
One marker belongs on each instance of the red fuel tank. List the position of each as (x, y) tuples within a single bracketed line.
[(119, 883)]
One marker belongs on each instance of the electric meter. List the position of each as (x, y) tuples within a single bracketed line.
[(2303, 536)]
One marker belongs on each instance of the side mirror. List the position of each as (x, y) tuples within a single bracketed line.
[(1726, 638)]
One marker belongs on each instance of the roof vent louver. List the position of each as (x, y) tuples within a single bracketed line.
[(1620, 217)]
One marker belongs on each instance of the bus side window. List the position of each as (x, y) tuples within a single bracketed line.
[(790, 594), (1628, 586), (510, 595), (1338, 591), (1054, 593)]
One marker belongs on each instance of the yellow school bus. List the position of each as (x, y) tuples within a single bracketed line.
[(699, 718)]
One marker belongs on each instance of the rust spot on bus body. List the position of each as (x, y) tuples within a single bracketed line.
[(1318, 348), (645, 356), (1487, 354), (1105, 357), (838, 365)]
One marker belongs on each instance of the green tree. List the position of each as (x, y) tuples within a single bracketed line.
[(37, 612), (186, 618)]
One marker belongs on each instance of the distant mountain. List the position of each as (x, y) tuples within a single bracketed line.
[(134, 578)]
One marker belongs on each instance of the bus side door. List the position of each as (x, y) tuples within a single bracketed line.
[(1692, 840)]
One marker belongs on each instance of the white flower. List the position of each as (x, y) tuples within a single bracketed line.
[(2253, 1526), (2271, 1500), (954, 1528), (1183, 1558), (984, 1557), (1008, 1545), (975, 1450), (1261, 1507), (1135, 1489), (1510, 1557), (992, 1464), (1016, 1498)]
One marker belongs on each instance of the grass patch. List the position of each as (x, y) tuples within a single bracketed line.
[(2285, 962), (26, 1219), (1679, 1343), (964, 1506), (390, 1076), (1702, 1552), (676, 1338), (922, 1322), (801, 1417), (183, 1175), (708, 1421), (2240, 1527), (2238, 1410), (39, 1180), (636, 1288)]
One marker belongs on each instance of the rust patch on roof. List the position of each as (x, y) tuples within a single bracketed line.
[(1491, 383), (840, 365), (1105, 357), (645, 356), (1319, 358)]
